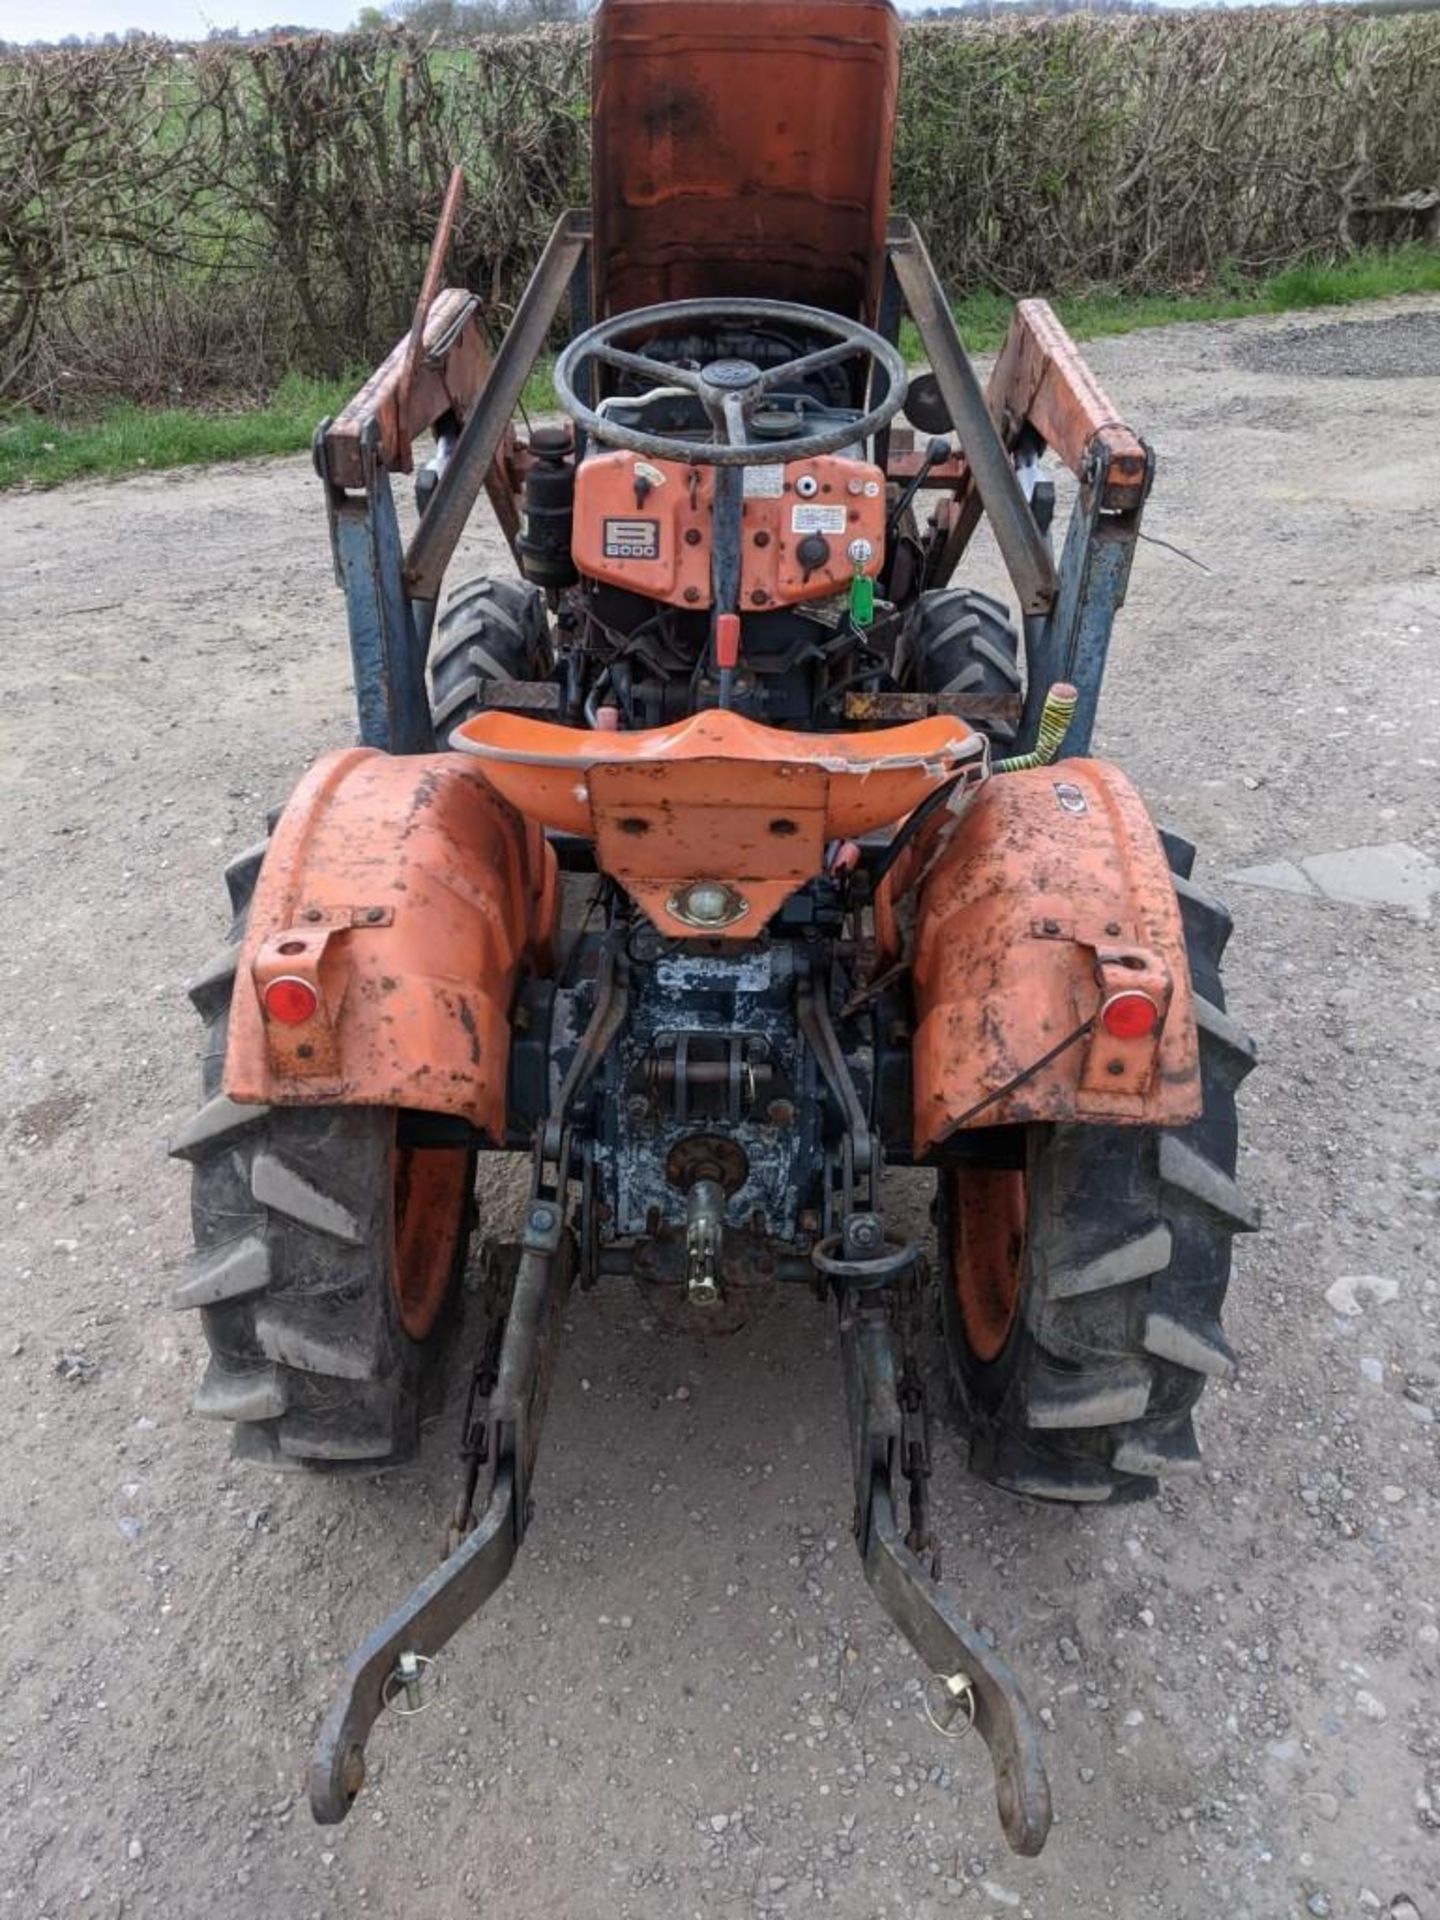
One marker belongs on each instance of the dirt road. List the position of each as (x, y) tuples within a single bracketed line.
[(685, 1702)]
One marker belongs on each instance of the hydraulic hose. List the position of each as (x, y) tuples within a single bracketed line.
[(1055, 717)]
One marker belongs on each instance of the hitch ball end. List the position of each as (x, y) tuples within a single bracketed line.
[(704, 1236)]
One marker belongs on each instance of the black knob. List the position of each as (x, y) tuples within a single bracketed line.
[(813, 551), (551, 443)]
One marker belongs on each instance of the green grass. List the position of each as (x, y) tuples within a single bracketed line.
[(983, 317), (36, 451), (40, 452)]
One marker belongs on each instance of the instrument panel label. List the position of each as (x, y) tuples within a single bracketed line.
[(763, 483), (813, 519)]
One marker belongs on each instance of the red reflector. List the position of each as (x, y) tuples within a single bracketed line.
[(290, 1000), (1129, 1016)]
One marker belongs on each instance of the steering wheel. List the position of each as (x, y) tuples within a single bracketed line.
[(729, 390)]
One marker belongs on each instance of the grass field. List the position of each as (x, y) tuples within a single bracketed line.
[(40, 452)]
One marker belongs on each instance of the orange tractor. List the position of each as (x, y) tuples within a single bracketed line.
[(727, 858)]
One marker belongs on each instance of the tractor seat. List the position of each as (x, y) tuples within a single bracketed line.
[(715, 800)]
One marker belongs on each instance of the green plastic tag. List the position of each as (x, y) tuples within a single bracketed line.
[(862, 600)]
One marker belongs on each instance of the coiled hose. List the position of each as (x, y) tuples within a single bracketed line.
[(1055, 717)]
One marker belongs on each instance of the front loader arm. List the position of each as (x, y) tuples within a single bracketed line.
[(398, 403), (439, 377), (1040, 381), (1040, 384), (1042, 396)]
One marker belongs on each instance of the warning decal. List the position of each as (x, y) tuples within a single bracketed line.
[(817, 519)]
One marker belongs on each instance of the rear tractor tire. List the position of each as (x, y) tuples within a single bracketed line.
[(325, 1256), (1081, 1296), (489, 630)]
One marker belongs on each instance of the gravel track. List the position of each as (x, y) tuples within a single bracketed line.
[(684, 1702)]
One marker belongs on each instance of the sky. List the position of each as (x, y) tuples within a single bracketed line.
[(178, 19)]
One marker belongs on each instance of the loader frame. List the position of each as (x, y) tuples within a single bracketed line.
[(1040, 395), (444, 380)]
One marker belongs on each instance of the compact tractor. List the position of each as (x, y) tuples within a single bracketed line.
[(727, 857)]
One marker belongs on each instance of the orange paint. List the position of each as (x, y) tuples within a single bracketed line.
[(716, 796), (429, 1217), (406, 893), (742, 150), (1051, 894), (1040, 377), (987, 1207), (647, 525)]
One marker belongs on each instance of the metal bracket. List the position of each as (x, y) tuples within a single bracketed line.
[(1072, 641), (459, 488), (924, 1610), (387, 647)]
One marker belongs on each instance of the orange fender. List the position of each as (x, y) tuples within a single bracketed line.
[(1051, 893), (405, 893)]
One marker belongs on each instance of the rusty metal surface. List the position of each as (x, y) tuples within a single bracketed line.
[(1045, 874), (657, 828), (422, 1624), (512, 1417), (927, 1614), (886, 709), (1074, 642), (742, 150), (924, 1610), (1041, 378), (406, 893), (450, 373), (904, 463), (429, 287), (487, 431)]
